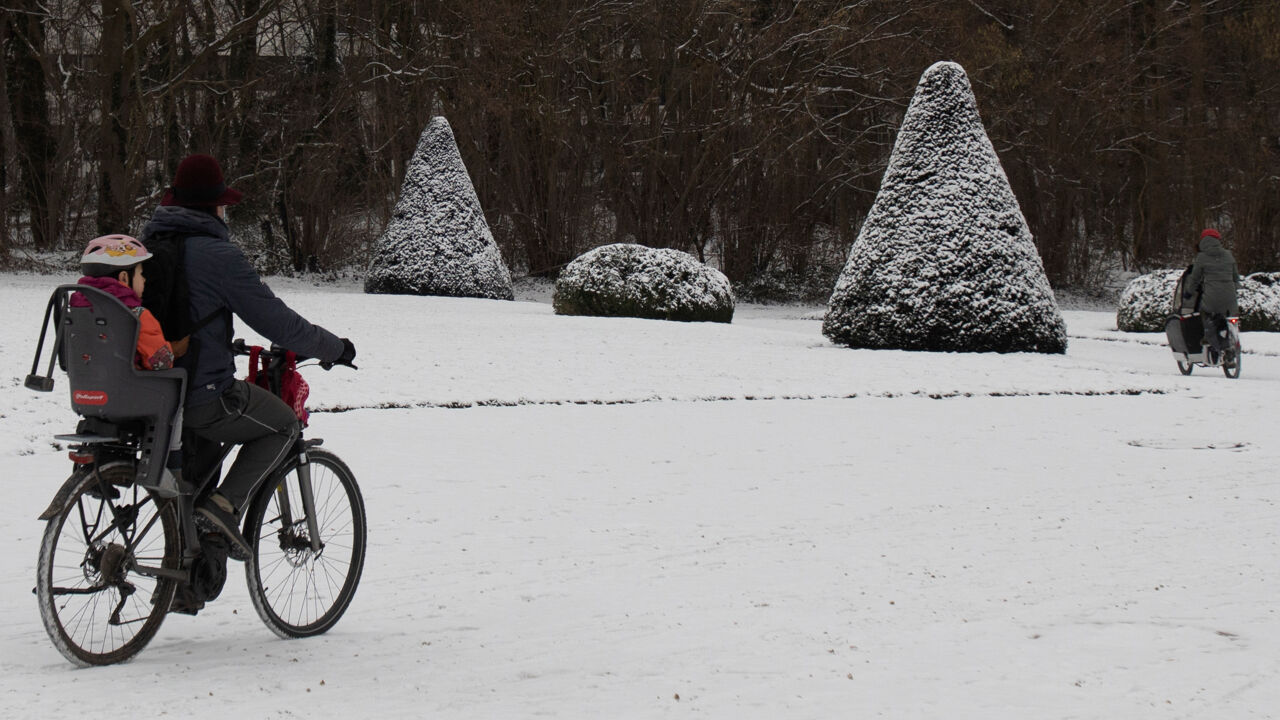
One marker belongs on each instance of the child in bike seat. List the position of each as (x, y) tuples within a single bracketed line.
[(113, 263)]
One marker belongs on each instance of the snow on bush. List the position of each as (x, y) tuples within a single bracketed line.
[(1148, 299), (438, 242), (945, 260), (1260, 303), (625, 280)]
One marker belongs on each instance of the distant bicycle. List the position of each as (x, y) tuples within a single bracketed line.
[(1189, 355), (1185, 326), (121, 548)]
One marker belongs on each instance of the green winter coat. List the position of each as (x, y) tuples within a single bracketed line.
[(1215, 276)]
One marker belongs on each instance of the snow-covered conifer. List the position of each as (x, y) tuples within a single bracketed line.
[(626, 280), (438, 241), (945, 260)]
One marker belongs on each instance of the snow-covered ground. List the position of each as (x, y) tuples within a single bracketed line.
[(589, 518)]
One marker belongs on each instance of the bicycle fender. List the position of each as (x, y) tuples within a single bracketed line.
[(63, 497), (66, 493)]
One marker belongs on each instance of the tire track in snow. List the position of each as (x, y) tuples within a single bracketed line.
[(464, 404), (1157, 343)]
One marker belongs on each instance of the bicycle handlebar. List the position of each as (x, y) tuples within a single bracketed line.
[(275, 352)]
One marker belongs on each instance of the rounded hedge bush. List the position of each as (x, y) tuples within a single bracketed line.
[(1148, 299), (1260, 303), (626, 280)]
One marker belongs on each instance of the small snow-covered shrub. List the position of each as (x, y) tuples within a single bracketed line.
[(1260, 303), (811, 286), (438, 241), (945, 260), (1148, 299), (625, 280)]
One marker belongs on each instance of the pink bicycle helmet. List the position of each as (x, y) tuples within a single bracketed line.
[(112, 253)]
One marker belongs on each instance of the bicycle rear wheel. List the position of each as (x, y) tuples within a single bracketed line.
[(97, 608), (298, 591)]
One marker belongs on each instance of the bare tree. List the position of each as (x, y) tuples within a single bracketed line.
[(27, 89), (752, 133)]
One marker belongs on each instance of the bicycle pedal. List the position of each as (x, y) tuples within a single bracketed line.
[(213, 539)]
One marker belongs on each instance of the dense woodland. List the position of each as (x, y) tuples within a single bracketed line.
[(752, 133)]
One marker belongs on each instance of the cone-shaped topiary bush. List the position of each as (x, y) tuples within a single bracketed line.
[(625, 280), (438, 242), (945, 260)]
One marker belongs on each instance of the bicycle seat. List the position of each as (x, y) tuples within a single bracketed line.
[(96, 345), (98, 348)]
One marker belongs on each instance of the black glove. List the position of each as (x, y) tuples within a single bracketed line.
[(348, 353)]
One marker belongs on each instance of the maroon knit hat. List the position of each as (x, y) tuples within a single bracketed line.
[(1210, 232), (199, 183)]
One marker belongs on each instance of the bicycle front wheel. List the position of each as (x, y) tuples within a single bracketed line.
[(97, 602), (300, 591), (1231, 368)]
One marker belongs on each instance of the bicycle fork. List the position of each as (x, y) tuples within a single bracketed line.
[(307, 492)]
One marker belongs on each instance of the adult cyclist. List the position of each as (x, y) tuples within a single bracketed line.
[(221, 283), (1214, 275)]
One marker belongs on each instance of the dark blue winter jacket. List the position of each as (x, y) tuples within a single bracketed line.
[(220, 278)]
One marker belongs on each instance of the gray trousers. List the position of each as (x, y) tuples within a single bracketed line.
[(1214, 323), (260, 422)]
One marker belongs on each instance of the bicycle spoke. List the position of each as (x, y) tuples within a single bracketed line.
[(95, 606), (297, 590)]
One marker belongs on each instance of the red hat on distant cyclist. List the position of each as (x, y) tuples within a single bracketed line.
[(199, 183), (1210, 232)]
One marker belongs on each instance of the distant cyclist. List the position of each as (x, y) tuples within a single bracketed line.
[(221, 282), (1214, 275)]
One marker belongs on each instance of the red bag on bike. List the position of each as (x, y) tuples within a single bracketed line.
[(293, 389)]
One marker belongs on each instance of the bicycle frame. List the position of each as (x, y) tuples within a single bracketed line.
[(95, 452), (118, 445)]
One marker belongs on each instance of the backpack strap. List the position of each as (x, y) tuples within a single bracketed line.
[(205, 321)]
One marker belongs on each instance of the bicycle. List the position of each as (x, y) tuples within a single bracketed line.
[(1184, 326), (1183, 334), (121, 548)]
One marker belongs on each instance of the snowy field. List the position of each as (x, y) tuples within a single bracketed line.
[(593, 518)]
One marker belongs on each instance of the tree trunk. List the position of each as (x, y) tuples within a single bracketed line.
[(34, 142), (5, 144), (244, 72), (115, 200)]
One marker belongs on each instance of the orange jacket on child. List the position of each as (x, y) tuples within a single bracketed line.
[(153, 351)]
